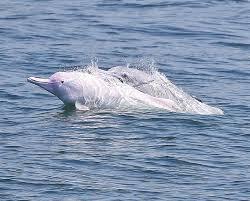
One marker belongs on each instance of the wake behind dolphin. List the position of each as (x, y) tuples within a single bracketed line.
[(121, 88)]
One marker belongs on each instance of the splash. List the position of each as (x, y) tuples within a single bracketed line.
[(132, 82), (158, 85)]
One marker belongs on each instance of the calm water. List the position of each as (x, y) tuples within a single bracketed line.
[(48, 152)]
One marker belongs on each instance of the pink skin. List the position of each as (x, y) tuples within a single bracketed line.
[(53, 85), (43, 83), (94, 91), (69, 88)]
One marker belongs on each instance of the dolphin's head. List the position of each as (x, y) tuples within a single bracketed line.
[(64, 85)]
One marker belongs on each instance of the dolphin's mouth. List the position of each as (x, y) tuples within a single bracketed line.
[(41, 82)]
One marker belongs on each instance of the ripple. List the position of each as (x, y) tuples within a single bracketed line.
[(243, 46), (50, 152)]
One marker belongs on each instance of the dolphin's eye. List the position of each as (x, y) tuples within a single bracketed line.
[(62, 81)]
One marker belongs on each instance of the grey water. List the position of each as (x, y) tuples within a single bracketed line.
[(49, 152)]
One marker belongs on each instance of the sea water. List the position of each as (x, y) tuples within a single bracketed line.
[(51, 152)]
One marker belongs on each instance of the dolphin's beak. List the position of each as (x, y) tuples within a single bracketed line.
[(43, 83)]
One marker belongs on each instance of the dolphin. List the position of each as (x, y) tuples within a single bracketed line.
[(121, 88), (86, 90)]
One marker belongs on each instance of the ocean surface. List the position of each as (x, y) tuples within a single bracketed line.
[(49, 152)]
